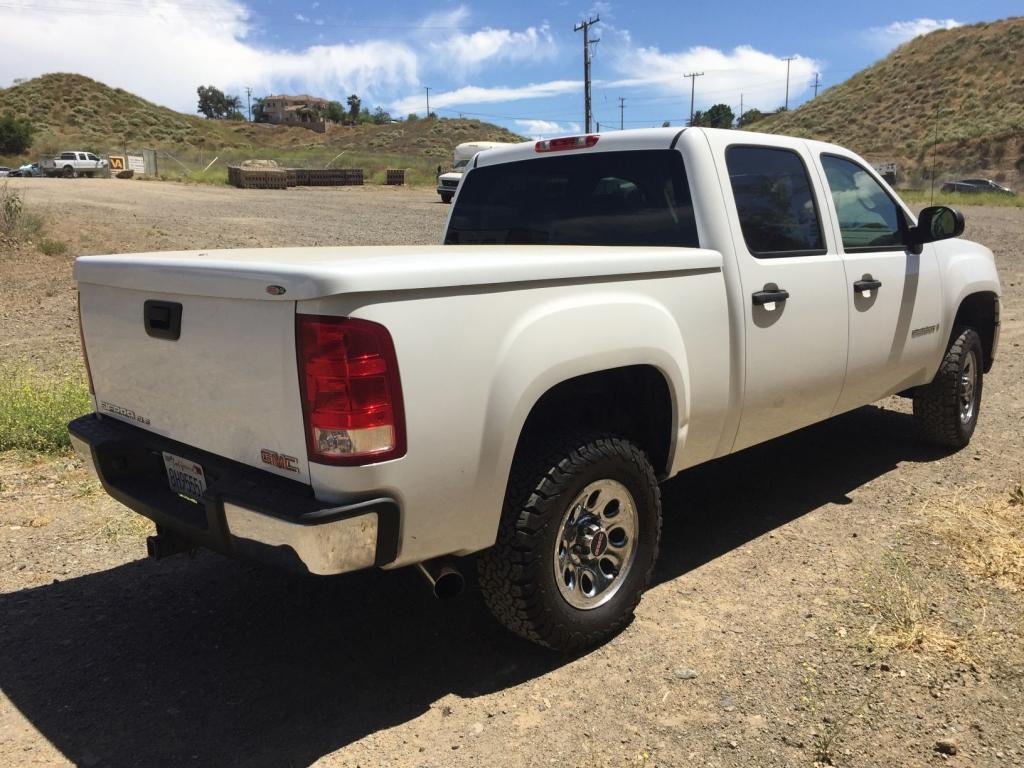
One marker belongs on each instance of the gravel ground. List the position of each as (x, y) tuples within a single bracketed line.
[(818, 600)]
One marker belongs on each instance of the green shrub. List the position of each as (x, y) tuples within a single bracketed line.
[(34, 412), (53, 247)]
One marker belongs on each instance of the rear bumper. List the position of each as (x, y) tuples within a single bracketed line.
[(245, 512)]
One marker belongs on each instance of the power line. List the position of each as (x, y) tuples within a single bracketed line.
[(787, 60), (693, 84), (585, 27)]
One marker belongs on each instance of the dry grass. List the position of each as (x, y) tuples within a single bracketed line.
[(985, 532), (125, 524), (960, 89), (73, 111), (899, 601)]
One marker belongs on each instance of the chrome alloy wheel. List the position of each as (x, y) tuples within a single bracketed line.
[(968, 388), (596, 544)]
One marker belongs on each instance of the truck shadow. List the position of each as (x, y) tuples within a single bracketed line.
[(212, 662)]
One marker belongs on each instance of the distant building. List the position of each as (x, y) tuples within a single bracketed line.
[(304, 111)]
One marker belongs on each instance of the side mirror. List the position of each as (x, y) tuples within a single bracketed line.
[(937, 222)]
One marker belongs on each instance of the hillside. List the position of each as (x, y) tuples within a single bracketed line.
[(973, 74), (74, 111)]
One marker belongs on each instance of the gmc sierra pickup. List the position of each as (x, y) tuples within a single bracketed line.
[(606, 311)]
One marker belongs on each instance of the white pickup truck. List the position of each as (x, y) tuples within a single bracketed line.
[(70, 164), (606, 311), (448, 183)]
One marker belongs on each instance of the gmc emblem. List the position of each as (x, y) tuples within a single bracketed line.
[(279, 460)]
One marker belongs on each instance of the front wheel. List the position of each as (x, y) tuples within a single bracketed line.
[(577, 541), (446, 197), (947, 409)]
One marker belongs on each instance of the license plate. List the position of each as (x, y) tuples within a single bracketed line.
[(184, 476)]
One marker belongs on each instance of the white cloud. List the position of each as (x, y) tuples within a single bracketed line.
[(542, 129), (759, 76), (884, 39), (162, 50), (466, 52), (473, 94)]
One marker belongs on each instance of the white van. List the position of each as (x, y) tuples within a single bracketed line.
[(448, 183)]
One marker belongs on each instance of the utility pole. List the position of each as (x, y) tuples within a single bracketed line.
[(622, 113), (788, 60), (740, 119), (428, 100), (585, 27), (248, 100), (817, 82), (693, 84)]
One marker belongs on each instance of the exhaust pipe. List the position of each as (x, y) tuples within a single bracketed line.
[(443, 576), (165, 544)]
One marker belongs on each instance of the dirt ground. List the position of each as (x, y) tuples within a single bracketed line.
[(844, 595)]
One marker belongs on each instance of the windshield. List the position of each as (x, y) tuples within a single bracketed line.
[(460, 164), (600, 198)]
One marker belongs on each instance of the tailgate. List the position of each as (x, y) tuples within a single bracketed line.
[(227, 385)]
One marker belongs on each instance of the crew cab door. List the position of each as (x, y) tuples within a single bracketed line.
[(793, 287), (894, 295)]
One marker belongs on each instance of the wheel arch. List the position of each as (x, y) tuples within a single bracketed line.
[(569, 348), (980, 311)]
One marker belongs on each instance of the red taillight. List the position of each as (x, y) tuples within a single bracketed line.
[(569, 142), (85, 354), (351, 394)]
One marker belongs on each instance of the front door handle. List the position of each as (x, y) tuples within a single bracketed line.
[(769, 296), (867, 283)]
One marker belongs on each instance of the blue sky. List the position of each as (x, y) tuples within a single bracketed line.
[(517, 64)]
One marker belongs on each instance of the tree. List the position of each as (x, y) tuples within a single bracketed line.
[(335, 111), (354, 105), (15, 134), (233, 108), (259, 112), (718, 116), (666, 124), (380, 117), (217, 105), (750, 117), (413, 117), (364, 116)]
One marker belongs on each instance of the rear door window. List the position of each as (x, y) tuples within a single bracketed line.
[(869, 219), (775, 201), (68, 156), (638, 197)]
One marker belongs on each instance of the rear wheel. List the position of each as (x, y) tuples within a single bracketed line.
[(69, 172), (577, 541), (947, 409)]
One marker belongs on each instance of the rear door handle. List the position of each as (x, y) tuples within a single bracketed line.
[(867, 283), (769, 297)]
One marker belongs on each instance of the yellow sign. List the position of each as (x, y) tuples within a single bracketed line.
[(116, 163)]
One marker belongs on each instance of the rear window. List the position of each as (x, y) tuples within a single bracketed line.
[(600, 198), (775, 202)]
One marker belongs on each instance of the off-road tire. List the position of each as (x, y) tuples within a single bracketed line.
[(517, 575), (937, 405)]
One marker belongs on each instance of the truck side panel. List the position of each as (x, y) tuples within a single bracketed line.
[(463, 427)]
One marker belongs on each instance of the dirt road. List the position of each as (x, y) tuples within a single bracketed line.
[(822, 599)]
